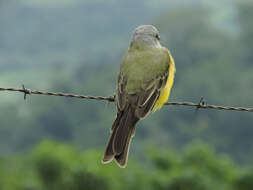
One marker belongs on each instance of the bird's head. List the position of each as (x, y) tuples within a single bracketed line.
[(145, 35)]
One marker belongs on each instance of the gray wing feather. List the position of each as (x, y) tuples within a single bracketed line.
[(148, 98), (143, 101), (120, 92)]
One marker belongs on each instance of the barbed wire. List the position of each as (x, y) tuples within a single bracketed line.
[(200, 105)]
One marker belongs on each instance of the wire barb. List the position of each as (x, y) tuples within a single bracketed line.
[(26, 91), (202, 104)]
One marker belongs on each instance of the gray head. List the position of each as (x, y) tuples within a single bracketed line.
[(145, 35)]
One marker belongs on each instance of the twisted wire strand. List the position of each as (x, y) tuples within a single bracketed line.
[(201, 104)]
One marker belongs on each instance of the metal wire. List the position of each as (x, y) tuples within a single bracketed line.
[(200, 105)]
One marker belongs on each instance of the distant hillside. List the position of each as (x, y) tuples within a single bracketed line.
[(78, 47)]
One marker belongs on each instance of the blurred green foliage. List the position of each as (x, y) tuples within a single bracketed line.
[(76, 46), (53, 165), (211, 62)]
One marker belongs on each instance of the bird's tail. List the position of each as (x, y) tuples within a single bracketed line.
[(123, 130)]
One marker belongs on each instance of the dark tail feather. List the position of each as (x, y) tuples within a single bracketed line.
[(126, 124), (109, 153), (122, 131), (122, 158)]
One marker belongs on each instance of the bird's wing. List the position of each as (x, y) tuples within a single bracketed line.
[(121, 92), (143, 100), (150, 94)]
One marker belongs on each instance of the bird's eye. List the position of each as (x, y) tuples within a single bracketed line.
[(157, 36)]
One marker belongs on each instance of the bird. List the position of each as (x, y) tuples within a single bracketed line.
[(144, 84)]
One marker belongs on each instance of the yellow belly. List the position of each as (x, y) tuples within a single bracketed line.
[(165, 92)]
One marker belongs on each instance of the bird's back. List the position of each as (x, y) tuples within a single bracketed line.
[(142, 66)]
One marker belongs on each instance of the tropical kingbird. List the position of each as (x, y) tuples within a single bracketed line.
[(144, 82)]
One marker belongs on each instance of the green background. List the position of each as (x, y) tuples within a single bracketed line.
[(76, 46)]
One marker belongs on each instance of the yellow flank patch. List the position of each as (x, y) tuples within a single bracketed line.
[(165, 92)]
